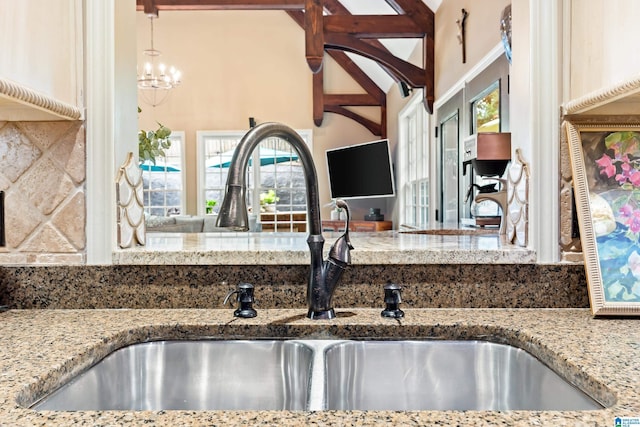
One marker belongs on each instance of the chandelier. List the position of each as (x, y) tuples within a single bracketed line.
[(155, 82)]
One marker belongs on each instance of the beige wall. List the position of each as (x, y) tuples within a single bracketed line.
[(604, 44), (241, 64), (482, 34)]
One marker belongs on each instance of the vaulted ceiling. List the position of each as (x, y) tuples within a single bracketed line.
[(354, 37)]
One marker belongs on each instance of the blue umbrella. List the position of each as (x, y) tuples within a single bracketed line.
[(148, 165), (268, 156)]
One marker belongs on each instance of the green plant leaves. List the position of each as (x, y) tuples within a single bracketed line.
[(152, 144)]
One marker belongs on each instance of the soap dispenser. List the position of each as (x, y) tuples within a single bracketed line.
[(392, 300), (245, 299)]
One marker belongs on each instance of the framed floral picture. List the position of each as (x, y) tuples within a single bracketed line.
[(605, 161)]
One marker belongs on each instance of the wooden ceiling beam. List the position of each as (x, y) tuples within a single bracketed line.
[(314, 34), (336, 8), (425, 18), (318, 97), (375, 95), (372, 126), (373, 26), (406, 71), (352, 100), (224, 4), (150, 8)]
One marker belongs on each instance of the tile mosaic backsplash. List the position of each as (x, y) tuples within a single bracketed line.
[(42, 172)]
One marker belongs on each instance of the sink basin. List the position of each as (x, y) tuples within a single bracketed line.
[(318, 375), (192, 375), (443, 375)]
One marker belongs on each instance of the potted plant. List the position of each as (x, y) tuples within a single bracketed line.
[(268, 200), (210, 205), (152, 144)]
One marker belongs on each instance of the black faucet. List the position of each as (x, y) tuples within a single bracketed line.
[(324, 275)]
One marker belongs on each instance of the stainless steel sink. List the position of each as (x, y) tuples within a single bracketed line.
[(443, 375), (192, 375), (317, 375)]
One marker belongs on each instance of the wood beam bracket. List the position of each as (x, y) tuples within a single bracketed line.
[(425, 19), (314, 34), (150, 8)]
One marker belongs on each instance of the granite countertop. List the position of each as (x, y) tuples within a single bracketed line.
[(389, 247), (41, 348)]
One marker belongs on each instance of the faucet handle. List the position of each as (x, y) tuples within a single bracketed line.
[(343, 205), (245, 298), (340, 250)]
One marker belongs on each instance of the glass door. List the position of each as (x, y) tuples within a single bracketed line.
[(449, 160), (450, 134)]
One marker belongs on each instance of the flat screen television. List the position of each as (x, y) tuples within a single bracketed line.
[(361, 170)]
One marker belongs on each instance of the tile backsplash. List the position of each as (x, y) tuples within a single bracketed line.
[(42, 172)]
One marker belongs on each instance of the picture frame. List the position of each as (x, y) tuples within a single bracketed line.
[(605, 163)]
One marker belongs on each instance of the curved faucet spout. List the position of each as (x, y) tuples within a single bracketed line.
[(233, 211), (324, 276)]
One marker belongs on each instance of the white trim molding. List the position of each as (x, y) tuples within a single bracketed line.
[(29, 104), (545, 99), (100, 91)]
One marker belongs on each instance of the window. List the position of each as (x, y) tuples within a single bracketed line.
[(279, 171), (413, 176), (485, 110), (163, 183)]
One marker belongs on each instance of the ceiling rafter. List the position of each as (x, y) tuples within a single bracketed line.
[(408, 72), (373, 127), (328, 103), (336, 8), (340, 32), (425, 18), (223, 4), (373, 26), (314, 34)]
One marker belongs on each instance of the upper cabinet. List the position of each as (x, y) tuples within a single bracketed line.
[(603, 41), (41, 60)]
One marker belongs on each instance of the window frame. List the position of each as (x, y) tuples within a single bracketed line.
[(414, 192), (179, 137), (203, 135)]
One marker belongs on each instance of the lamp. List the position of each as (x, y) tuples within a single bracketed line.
[(155, 83), (405, 90)]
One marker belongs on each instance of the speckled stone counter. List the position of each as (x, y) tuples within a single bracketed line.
[(390, 247), (205, 286), (43, 348)]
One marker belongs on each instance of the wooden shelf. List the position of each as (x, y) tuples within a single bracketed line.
[(287, 221), (357, 226)]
